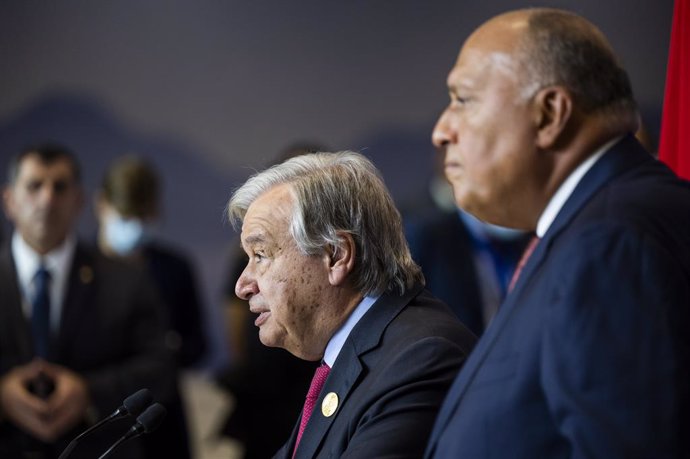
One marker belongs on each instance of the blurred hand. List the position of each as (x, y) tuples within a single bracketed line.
[(46, 419), (19, 405), (68, 403)]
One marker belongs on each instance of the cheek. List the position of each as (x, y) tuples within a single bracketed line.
[(301, 297)]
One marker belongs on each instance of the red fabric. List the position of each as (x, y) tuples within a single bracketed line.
[(315, 387), (523, 260), (674, 145)]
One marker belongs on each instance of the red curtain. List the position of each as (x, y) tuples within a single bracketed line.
[(674, 144)]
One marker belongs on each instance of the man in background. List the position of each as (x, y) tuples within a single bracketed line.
[(78, 332), (128, 208), (467, 263)]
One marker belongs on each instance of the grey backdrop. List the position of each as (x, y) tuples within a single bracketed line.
[(210, 90)]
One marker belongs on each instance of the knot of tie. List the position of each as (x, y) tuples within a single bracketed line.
[(317, 382)]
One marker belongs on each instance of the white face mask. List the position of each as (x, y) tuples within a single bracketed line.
[(502, 233), (488, 230), (123, 235)]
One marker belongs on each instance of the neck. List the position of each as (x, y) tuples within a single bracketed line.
[(589, 135), (344, 301)]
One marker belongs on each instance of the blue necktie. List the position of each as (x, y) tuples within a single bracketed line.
[(40, 314)]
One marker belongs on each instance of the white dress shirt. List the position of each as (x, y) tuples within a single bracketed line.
[(567, 187), (338, 340), (57, 262)]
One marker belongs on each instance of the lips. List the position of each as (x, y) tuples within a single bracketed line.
[(263, 317), (452, 168)]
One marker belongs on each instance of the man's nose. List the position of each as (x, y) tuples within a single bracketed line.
[(442, 134), (47, 193), (245, 286)]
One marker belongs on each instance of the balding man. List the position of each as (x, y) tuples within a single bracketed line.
[(588, 355)]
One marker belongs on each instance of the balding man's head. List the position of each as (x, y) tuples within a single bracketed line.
[(528, 83)]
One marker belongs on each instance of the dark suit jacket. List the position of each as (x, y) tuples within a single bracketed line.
[(111, 333), (588, 356), (173, 275), (390, 378), (442, 245)]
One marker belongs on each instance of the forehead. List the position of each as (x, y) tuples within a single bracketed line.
[(490, 52), (268, 217)]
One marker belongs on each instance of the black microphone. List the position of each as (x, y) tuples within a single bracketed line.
[(131, 406), (147, 422)]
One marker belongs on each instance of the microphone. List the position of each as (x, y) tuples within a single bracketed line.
[(147, 422), (131, 406)]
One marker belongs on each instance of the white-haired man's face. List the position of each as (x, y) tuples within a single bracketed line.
[(287, 289)]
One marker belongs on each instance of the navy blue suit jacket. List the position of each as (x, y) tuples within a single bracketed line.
[(588, 355)]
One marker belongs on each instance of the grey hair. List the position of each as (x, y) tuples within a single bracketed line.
[(562, 48), (335, 193)]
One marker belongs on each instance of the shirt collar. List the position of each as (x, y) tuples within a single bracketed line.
[(27, 260), (567, 187), (338, 340)]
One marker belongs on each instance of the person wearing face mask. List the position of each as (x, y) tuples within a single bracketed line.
[(79, 331), (467, 263), (127, 209)]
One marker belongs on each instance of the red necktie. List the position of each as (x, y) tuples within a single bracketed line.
[(317, 383), (523, 261)]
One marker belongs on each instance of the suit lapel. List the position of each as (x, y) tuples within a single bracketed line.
[(348, 367), (15, 334), (624, 155), (77, 297)]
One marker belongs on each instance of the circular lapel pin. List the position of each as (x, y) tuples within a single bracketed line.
[(85, 274), (329, 404)]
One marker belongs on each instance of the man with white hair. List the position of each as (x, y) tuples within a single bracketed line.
[(330, 276)]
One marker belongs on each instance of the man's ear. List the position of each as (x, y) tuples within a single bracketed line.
[(341, 259), (554, 109), (8, 203)]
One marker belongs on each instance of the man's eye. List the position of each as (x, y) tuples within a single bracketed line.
[(61, 186), (459, 100), (258, 256), (33, 186)]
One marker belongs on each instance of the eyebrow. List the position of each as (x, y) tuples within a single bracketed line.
[(252, 239)]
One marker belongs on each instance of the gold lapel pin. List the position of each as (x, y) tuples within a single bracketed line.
[(85, 274), (329, 404)]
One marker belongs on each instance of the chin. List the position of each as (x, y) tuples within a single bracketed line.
[(269, 339)]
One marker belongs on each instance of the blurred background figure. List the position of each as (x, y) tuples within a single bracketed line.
[(467, 263), (127, 209), (262, 417), (79, 332)]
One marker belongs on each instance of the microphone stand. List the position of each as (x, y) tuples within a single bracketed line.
[(132, 405), (147, 422)]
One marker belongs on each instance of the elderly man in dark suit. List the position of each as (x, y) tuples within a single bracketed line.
[(588, 355), (330, 276), (78, 332)]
